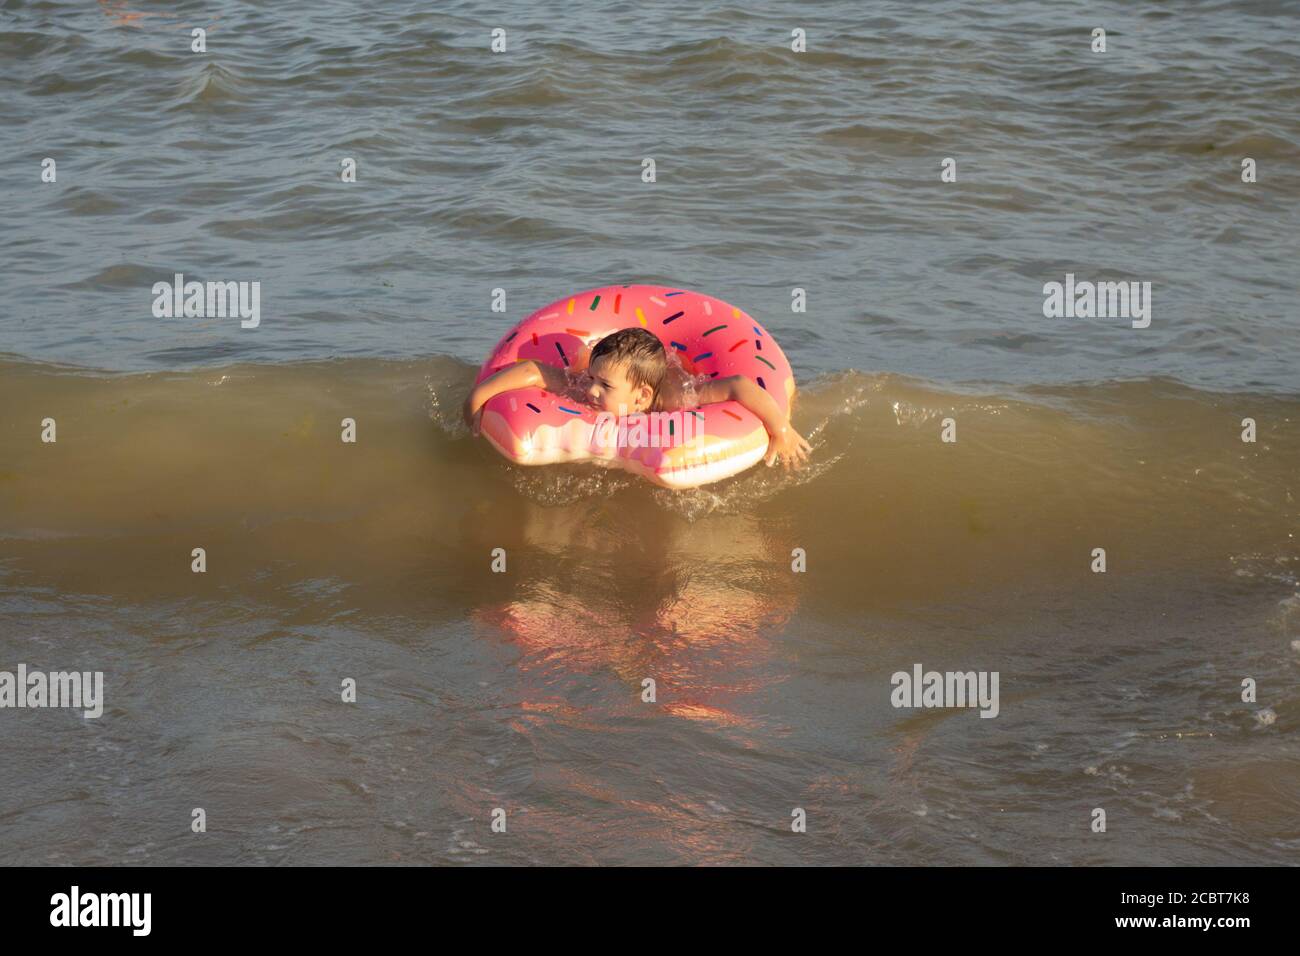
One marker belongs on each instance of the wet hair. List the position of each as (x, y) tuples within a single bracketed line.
[(639, 352)]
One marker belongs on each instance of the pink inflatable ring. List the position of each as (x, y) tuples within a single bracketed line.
[(532, 426)]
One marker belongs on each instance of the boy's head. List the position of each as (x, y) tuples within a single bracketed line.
[(626, 369)]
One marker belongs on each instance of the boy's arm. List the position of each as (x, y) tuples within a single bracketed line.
[(739, 388), (520, 375), (785, 441)]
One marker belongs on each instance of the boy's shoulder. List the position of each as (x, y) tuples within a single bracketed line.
[(673, 394)]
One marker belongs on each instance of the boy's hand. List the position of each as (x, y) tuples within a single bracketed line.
[(789, 445), (783, 440)]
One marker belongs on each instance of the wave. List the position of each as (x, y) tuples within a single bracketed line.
[(248, 461)]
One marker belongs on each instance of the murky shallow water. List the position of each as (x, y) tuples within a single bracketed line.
[(523, 690)]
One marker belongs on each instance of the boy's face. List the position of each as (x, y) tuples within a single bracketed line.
[(608, 388)]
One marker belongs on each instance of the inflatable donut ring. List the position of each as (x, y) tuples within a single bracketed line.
[(531, 426)]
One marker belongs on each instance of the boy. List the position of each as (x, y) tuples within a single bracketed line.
[(629, 372)]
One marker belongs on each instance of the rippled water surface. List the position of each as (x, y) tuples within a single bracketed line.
[(775, 170)]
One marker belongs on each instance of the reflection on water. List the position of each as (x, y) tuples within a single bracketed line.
[(659, 602)]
